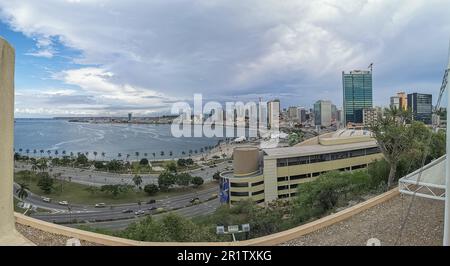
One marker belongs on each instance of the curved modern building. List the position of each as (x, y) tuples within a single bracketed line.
[(270, 174)]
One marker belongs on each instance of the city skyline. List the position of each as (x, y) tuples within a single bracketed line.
[(66, 67)]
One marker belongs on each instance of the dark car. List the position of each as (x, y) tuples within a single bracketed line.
[(152, 208), (194, 200), (151, 201), (127, 211)]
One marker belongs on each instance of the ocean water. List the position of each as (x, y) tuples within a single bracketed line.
[(61, 135)]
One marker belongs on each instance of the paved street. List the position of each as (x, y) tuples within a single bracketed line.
[(188, 212), (96, 178)]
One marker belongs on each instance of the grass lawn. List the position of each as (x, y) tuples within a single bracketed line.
[(78, 194)]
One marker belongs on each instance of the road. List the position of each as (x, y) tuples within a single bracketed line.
[(115, 212), (188, 212), (96, 178)]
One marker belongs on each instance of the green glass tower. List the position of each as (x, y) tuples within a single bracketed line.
[(357, 94)]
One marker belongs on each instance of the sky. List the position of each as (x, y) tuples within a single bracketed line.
[(108, 58)]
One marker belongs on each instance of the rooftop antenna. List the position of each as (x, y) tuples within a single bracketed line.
[(370, 67)]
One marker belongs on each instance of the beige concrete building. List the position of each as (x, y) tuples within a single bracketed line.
[(279, 172)]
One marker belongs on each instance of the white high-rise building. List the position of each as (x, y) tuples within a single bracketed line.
[(273, 111), (322, 113)]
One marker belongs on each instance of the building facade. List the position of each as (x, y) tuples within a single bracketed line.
[(273, 113), (357, 94), (370, 116), (421, 107), (322, 113), (279, 172)]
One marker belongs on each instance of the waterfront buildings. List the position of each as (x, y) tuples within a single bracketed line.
[(322, 113), (276, 173), (421, 107), (357, 94), (273, 112)]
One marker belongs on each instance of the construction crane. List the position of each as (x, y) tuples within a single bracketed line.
[(370, 67), (441, 93)]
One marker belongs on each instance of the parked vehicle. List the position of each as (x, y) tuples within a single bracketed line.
[(195, 200)]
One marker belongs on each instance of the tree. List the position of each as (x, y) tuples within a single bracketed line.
[(183, 179), (171, 167), (393, 137), (45, 182), (216, 175), (165, 180), (294, 138), (22, 191), (151, 189), (137, 180), (197, 181), (144, 161), (82, 159)]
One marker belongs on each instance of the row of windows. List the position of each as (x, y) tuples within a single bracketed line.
[(283, 196), (296, 177), (326, 157), (245, 184), (257, 192)]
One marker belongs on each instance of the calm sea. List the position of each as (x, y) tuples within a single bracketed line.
[(61, 135)]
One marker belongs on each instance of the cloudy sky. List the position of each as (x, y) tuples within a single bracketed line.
[(104, 57)]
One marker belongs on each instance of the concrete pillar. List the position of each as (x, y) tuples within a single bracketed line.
[(8, 233)]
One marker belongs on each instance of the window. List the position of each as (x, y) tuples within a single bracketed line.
[(294, 186), (339, 155), (372, 150), (283, 187), (316, 174), (281, 162), (257, 183), (283, 196), (239, 194), (293, 194), (283, 178), (296, 177), (257, 192), (357, 153), (239, 184)]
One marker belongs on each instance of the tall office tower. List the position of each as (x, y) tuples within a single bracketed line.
[(403, 100), (333, 112), (301, 114), (357, 94), (130, 116), (292, 113), (421, 106), (322, 113), (273, 112), (395, 102)]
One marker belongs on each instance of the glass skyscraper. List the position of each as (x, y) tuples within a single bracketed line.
[(421, 107), (357, 90)]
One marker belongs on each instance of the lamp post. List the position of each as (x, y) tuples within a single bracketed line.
[(8, 233)]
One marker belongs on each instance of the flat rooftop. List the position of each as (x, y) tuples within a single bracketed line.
[(316, 149)]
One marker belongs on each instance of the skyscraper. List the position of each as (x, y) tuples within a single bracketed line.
[(273, 112), (322, 113), (421, 107), (357, 94)]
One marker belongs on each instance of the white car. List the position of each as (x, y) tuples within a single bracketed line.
[(100, 205), (65, 203), (139, 212), (46, 199)]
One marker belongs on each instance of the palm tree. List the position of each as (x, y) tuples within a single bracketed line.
[(162, 153), (154, 155), (137, 155), (64, 152), (119, 155), (103, 154), (27, 151), (34, 152), (56, 153), (170, 153), (49, 152), (22, 192), (128, 156), (137, 179), (34, 166), (42, 152), (95, 155)]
